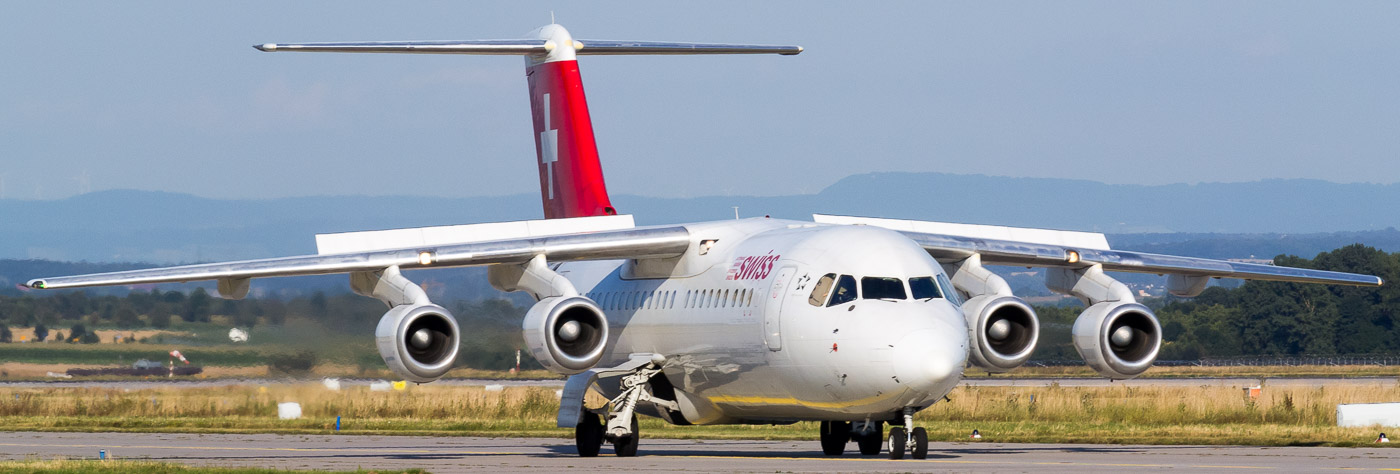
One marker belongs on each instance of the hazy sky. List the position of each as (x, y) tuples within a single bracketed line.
[(170, 96)]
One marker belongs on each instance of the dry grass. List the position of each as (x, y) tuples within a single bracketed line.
[(1116, 414), (1081, 371), (106, 335), (1300, 406)]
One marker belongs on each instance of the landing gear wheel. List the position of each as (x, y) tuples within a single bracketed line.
[(626, 446), (897, 440), (920, 443), (870, 442), (588, 435), (835, 435)]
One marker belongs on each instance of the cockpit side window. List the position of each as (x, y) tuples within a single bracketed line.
[(923, 288), (882, 288), (821, 290), (948, 290), (845, 291)]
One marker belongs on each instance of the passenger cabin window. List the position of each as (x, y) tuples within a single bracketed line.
[(923, 288), (821, 290), (845, 291), (882, 288)]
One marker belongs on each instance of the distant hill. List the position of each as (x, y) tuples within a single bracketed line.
[(142, 226), (1254, 245)]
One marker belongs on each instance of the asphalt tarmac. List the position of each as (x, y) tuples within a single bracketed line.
[(559, 383), (453, 454)]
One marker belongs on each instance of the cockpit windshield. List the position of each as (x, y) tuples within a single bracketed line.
[(948, 290), (882, 288), (833, 290), (924, 288), (845, 291), (821, 290)]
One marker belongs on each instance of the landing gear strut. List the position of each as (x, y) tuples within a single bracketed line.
[(620, 412), (914, 441)]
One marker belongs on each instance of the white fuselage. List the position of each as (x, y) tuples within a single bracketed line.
[(745, 341)]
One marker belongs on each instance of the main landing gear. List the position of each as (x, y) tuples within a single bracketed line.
[(621, 429), (869, 436)]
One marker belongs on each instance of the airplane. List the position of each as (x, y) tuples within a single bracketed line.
[(853, 322)]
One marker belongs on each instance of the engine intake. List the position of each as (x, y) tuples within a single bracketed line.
[(1118, 340), (1003, 331), (418, 342), (566, 335)]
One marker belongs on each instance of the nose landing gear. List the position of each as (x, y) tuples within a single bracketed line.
[(914, 441)]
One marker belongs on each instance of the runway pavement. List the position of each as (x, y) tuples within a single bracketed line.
[(452, 454), (559, 383)]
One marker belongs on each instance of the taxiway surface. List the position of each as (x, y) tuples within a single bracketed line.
[(454, 454), (559, 383)]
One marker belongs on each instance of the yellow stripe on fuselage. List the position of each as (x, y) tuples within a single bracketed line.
[(790, 401)]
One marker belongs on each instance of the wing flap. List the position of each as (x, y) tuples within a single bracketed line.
[(640, 243), (1057, 249)]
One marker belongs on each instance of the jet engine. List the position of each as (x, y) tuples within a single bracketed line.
[(418, 341), (1118, 340), (1003, 331), (566, 334)]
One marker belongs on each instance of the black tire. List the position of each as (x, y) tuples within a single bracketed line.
[(835, 435), (588, 435), (870, 443), (626, 446), (920, 443), (896, 444)]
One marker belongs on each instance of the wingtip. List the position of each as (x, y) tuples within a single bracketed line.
[(266, 47), (35, 284)]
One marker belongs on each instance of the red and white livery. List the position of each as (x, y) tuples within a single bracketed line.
[(854, 322)]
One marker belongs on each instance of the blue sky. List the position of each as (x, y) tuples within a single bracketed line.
[(170, 96)]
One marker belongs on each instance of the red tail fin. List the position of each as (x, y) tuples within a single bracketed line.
[(571, 177)]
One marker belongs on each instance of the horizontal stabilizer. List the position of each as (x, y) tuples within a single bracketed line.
[(528, 47), (424, 237), (1062, 238), (508, 47), (602, 47)]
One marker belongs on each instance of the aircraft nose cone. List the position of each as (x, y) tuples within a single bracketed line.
[(931, 360)]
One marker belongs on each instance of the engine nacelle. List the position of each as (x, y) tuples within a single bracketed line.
[(1118, 340), (418, 342), (567, 335), (1003, 331)]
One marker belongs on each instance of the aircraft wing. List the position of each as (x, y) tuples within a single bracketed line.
[(642, 242), (1046, 248)]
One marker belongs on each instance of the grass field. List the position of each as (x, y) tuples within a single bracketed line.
[(1151, 415)]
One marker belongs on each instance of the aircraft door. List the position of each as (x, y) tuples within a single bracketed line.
[(773, 308)]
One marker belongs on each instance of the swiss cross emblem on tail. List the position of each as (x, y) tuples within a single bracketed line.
[(549, 149)]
